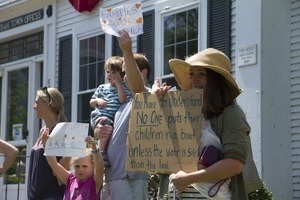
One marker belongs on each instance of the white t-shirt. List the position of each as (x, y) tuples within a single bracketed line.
[(210, 138)]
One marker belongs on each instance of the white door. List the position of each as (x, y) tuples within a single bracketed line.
[(19, 125)]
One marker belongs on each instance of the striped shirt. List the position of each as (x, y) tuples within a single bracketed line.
[(110, 94)]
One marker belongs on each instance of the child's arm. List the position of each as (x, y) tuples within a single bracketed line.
[(99, 166), (95, 100), (121, 92), (100, 102), (57, 168)]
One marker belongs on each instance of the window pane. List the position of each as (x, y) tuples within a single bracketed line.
[(192, 27), (17, 104), (4, 53), (180, 36), (21, 48), (84, 107), (32, 45), (181, 51), (83, 52), (168, 54), (192, 47), (92, 50), (101, 48), (92, 76), (17, 100), (169, 29), (83, 78), (100, 79), (17, 48), (181, 24)]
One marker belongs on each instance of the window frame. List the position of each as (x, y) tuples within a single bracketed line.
[(202, 32), (76, 93)]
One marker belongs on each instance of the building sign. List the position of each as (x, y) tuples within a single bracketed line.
[(247, 55), (22, 20)]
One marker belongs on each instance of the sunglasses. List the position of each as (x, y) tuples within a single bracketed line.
[(45, 90)]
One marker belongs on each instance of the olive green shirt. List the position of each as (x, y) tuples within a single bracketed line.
[(233, 129)]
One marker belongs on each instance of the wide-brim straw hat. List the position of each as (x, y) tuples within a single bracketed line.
[(209, 58)]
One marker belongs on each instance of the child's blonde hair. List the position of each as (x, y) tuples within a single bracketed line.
[(88, 154)]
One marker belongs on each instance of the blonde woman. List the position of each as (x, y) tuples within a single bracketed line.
[(42, 183)]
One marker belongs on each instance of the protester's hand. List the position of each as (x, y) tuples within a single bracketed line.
[(125, 41), (91, 142), (102, 103), (178, 180), (45, 136), (158, 89), (103, 130)]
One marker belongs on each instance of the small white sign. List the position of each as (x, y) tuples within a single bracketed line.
[(17, 131), (247, 55), (67, 139)]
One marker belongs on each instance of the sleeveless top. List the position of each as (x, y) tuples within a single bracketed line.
[(42, 183), (80, 190)]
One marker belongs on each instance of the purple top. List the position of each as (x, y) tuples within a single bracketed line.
[(80, 190)]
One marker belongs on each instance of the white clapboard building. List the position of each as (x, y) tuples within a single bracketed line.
[(53, 43)]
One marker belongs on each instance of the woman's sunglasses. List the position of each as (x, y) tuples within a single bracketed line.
[(45, 90)]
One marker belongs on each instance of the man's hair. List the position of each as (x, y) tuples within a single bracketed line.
[(143, 63)]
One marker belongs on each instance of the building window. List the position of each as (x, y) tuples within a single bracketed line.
[(180, 38), (22, 48), (91, 72)]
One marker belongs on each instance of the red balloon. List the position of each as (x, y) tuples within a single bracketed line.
[(84, 5)]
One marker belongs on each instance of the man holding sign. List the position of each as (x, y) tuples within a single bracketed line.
[(119, 184)]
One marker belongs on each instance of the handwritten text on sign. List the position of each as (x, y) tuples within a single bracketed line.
[(164, 134), (128, 16)]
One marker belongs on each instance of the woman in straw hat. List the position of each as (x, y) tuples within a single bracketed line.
[(222, 117)]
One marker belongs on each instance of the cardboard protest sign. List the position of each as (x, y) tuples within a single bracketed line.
[(67, 139), (164, 134), (128, 16)]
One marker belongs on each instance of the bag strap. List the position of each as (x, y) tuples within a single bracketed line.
[(219, 184)]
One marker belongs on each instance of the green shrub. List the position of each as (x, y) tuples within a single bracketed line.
[(262, 194)]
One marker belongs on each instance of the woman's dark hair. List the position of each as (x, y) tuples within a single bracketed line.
[(217, 94)]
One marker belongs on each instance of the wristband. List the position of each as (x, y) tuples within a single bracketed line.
[(96, 151)]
